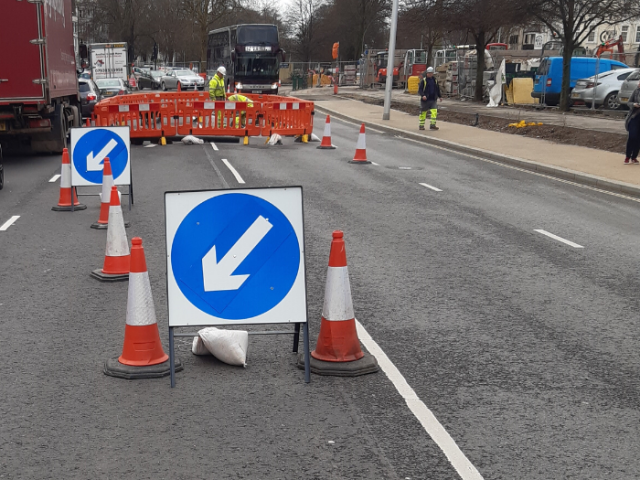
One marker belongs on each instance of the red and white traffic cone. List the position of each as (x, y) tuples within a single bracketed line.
[(67, 192), (88, 122), (361, 149), (117, 258), (105, 202), (326, 138), (179, 87), (338, 349), (142, 353)]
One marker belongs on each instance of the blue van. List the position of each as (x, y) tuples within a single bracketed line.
[(549, 75)]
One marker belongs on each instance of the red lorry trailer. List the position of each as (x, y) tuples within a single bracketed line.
[(38, 78)]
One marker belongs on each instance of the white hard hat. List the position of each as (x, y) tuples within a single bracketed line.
[(430, 70), (222, 70)]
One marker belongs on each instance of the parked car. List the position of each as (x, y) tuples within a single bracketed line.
[(85, 75), (151, 79), (604, 86), (628, 86), (549, 75), (110, 87), (89, 96), (187, 79)]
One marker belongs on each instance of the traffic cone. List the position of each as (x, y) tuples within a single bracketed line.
[(179, 87), (88, 123), (361, 149), (326, 138), (338, 349), (107, 183), (142, 353), (66, 190), (116, 259)]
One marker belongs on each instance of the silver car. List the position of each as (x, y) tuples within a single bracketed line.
[(188, 80), (628, 86), (605, 87)]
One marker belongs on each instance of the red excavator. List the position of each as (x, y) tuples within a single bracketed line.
[(608, 47)]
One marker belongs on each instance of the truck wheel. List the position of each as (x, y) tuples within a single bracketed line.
[(77, 118), (140, 87)]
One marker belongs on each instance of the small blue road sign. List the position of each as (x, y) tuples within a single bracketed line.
[(235, 256), (89, 148)]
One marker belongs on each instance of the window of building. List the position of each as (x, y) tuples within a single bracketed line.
[(624, 33), (638, 34), (513, 39), (592, 37), (529, 38)]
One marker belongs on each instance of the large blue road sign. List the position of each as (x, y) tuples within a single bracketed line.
[(89, 148), (235, 256)]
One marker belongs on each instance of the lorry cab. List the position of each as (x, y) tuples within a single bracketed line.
[(413, 64), (548, 81)]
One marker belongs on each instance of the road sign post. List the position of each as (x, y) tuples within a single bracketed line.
[(236, 257), (90, 146)]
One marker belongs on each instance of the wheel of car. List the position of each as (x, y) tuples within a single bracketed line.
[(164, 87), (611, 101), (140, 87)]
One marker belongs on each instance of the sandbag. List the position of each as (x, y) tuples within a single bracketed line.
[(198, 347), (191, 140), (228, 346)]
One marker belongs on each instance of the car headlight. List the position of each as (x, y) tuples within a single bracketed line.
[(274, 86), (239, 85)]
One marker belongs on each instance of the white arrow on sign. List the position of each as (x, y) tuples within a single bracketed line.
[(218, 275), (95, 163)]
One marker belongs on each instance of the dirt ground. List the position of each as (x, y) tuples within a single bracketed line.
[(567, 135)]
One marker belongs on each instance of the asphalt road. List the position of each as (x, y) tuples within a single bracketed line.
[(524, 347)]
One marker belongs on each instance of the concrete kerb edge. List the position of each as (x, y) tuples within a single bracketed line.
[(558, 172)]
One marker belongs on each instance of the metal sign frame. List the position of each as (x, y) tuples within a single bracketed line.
[(75, 174), (205, 319)]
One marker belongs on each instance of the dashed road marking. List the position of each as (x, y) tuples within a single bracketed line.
[(435, 189), (9, 222), (215, 147), (54, 178), (233, 170), (376, 164), (560, 239), (427, 419)]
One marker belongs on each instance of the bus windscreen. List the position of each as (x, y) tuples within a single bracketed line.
[(248, 65), (259, 34)]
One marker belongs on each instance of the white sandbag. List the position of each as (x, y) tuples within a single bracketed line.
[(191, 140), (228, 346), (198, 347), (275, 139)]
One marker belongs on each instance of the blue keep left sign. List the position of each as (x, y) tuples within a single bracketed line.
[(89, 148), (235, 256)]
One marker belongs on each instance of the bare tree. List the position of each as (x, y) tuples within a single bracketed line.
[(203, 14), (421, 22), (303, 17), (573, 21)]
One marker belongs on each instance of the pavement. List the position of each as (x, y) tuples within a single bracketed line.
[(520, 345), (583, 165), (582, 118)]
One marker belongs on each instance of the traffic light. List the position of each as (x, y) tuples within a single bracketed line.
[(154, 55)]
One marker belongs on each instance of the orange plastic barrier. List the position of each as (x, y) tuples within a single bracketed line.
[(171, 114)]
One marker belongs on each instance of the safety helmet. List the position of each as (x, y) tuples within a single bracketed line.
[(222, 70), (430, 70)]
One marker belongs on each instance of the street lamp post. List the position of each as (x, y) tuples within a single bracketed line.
[(392, 50)]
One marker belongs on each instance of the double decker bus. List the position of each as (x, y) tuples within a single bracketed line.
[(250, 53)]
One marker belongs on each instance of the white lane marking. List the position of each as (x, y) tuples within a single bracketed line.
[(376, 164), (151, 145), (427, 419), (560, 239), (8, 223), (550, 177), (54, 178), (233, 170), (215, 147), (431, 187)]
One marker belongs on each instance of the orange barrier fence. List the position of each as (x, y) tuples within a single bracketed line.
[(151, 116)]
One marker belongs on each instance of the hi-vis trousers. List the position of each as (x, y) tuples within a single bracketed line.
[(424, 109)]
